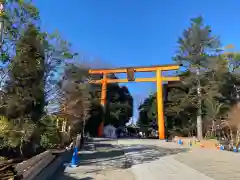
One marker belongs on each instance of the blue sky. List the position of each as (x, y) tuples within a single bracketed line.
[(135, 32)]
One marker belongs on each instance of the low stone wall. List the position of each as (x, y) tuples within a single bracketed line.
[(27, 164), (40, 167), (51, 169)]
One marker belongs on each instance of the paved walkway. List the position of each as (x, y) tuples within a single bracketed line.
[(198, 162), (220, 165), (167, 168), (154, 160)]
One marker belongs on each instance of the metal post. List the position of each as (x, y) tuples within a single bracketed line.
[(161, 125)]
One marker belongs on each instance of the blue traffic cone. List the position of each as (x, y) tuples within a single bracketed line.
[(75, 158), (180, 142), (190, 143), (235, 149)]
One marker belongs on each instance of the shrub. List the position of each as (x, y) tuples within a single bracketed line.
[(14, 135), (50, 136)]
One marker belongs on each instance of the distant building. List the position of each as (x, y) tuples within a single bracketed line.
[(109, 131)]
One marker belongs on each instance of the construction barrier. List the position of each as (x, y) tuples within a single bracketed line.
[(75, 158)]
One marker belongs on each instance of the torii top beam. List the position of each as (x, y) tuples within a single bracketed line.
[(168, 67)]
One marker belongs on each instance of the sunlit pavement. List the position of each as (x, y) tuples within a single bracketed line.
[(154, 160)]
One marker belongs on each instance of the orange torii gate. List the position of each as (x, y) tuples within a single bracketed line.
[(131, 78)]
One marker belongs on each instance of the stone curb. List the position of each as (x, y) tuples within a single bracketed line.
[(51, 169)]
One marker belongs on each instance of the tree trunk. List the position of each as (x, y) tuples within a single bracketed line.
[(213, 130), (82, 141), (199, 127), (82, 134), (199, 115), (78, 141)]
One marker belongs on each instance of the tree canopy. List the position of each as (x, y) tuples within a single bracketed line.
[(82, 100), (42, 83), (206, 65)]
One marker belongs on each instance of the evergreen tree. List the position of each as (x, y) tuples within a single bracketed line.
[(196, 47), (25, 86), (119, 108), (17, 15)]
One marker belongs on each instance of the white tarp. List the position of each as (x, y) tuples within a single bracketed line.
[(109, 131)]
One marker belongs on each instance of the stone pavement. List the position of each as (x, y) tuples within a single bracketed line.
[(153, 159), (210, 163), (166, 168), (219, 165), (153, 162)]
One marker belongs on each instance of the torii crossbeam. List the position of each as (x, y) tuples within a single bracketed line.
[(131, 78)]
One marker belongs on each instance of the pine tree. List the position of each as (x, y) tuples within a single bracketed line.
[(25, 85), (196, 47)]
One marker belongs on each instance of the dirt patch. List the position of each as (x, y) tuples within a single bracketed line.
[(210, 143)]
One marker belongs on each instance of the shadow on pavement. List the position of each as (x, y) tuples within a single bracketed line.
[(103, 145), (144, 154), (101, 155), (66, 177), (60, 175), (101, 140), (95, 145), (126, 156), (102, 158), (117, 157)]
